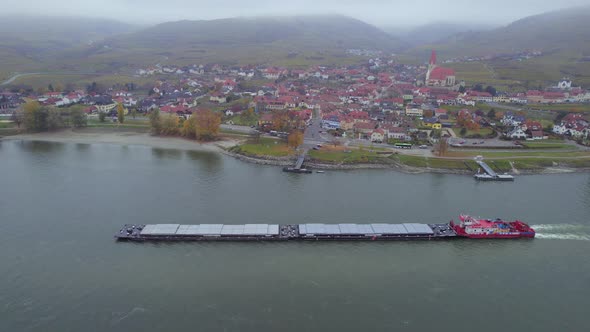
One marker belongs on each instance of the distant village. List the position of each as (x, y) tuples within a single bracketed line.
[(379, 100)]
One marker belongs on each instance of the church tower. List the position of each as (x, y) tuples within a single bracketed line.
[(431, 64)]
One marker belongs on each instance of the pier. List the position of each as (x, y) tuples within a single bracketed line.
[(490, 174), (298, 168)]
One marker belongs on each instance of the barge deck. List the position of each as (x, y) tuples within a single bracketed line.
[(275, 232)]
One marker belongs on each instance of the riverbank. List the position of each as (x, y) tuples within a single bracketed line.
[(125, 136), (226, 145)]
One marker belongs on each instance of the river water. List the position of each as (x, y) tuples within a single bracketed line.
[(61, 270)]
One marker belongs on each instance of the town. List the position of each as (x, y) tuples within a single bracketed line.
[(376, 103)]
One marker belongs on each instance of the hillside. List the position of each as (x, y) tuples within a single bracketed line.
[(289, 40), (550, 32), (433, 32), (26, 42), (563, 37)]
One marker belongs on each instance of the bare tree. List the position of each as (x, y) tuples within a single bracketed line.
[(442, 146)]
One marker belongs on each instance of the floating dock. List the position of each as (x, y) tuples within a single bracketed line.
[(275, 232), (490, 174), (298, 166)]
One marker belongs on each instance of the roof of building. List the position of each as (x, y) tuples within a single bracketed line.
[(441, 73)]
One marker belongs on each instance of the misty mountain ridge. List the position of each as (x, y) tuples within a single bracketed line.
[(45, 33), (433, 32), (566, 30), (106, 46), (289, 40), (327, 30)]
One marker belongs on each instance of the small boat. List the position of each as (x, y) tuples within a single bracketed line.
[(321, 172)]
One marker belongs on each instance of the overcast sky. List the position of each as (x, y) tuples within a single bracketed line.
[(378, 12)]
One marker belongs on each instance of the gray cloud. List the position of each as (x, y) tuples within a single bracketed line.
[(379, 12)]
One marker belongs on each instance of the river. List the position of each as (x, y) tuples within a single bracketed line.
[(61, 270)]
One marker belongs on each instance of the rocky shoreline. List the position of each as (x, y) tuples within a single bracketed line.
[(273, 161)]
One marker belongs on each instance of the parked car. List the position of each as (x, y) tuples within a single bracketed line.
[(423, 146)]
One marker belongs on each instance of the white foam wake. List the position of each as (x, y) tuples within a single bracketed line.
[(560, 227), (562, 231), (564, 236)]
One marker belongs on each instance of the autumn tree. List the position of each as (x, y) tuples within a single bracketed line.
[(442, 147), (120, 113), (463, 117), (189, 127), (428, 114), (208, 123), (280, 121), (78, 118), (17, 117), (295, 139), (155, 121), (170, 125), (54, 119), (248, 116), (34, 116), (472, 125)]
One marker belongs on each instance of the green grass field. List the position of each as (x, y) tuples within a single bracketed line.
[(342, 156), (424, 162), (550, 144), (478, 72), (81, 80), (265, 147)]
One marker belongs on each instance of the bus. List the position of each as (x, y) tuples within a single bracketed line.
[(403, 145)]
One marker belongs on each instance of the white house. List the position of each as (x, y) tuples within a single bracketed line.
[(414, 111), (377, 135), (517, 133)]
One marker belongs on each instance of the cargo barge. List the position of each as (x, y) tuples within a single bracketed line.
[(274, 232)]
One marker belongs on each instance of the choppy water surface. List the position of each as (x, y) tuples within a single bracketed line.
[(61, 270)]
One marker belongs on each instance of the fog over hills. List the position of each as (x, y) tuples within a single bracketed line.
[(73, 43), (564, 30), (433, 32)]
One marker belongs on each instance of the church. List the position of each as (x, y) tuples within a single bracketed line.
[(439, 76)]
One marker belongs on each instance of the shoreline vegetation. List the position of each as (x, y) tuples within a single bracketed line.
[(273, 152)]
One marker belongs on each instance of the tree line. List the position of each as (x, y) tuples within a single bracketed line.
[(202, 125), (36, 118)]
